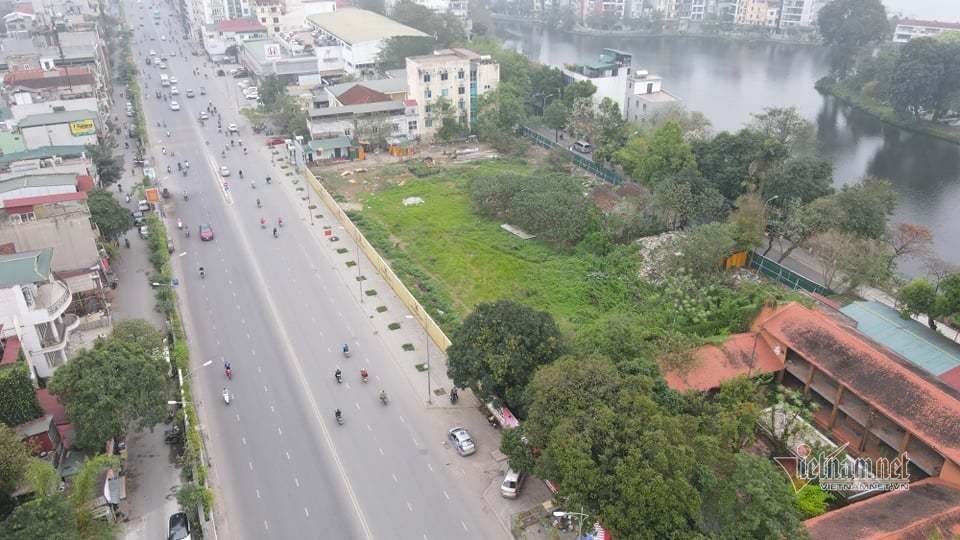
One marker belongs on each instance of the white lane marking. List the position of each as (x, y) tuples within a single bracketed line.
[(271, 409), (395, 479), (182, 254), (429, 466), (265, 388), (369, 428), (259, 370), (288, 455), (445, 494), (381, 451), (243, 440), (265, 525), (279, 431), (415, 443), (250, 463), (305, 511), (248, 335), (238, 418), (258, 493), (295, 481), (253, 352), (402, 421), (464, 526), (409, 506)]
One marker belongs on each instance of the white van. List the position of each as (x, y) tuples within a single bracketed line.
[(582, 146), (164, 79)]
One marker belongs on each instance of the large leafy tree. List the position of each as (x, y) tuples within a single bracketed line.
[(650, 158), (445, 28), (926, 77), (501, 111), (847, 26), (734, 162), (864, 207), (138, 332), (395, 50), (787, 127), (272, 89), (49, 517), (18, 398), (556, 116), (14, 460), (107, 214), (801, 178), (498, 349), (611, 130), (137, 391), (849, 261), (109, 166)]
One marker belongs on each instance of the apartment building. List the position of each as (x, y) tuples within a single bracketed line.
[(757, 12), (799, 12), (459, 76), (459, 8), (280, 16), (908, 29)]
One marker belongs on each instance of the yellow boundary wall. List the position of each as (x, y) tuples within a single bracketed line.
[(426, 321)]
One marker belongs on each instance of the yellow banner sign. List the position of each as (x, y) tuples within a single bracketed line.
[(82, 127)]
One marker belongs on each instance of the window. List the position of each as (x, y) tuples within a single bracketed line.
[(276, 20), (462, 105), (428, 109), (444, 92), (346, 131), (426, 77), (460, 74), (263, 19), (427, 93), (22, 218), (443, 76), (412, 125), (428, 122), (461, 90)]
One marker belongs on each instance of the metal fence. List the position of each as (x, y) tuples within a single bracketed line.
[(774, 270), (577, 159)]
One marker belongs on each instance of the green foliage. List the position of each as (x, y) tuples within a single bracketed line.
[(501, 111), (847, 26), (813, 501), (926, 77), (652, 158), (556, 115), (190, 497), (864, 207), (109, 166), (107, 214), (734, 162), (140, 333), (497, 349), (699, 252), (748, 222), (377, 6), (395, 50), (786, 127), (611, 132), (272, 90), (849, 261), (137, 391), (42, 478), (51, 518), (445, 28), (18, 398), (801, 178), (84, 489), (14, 460), (232, 51)]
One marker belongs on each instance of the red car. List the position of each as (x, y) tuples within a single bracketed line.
[(206, 232), (274, 141)]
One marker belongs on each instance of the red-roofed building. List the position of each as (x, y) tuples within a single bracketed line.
[(241, 29), (929, 509), (739, 355), (20, 21), (360, 94), (51, 406), (40, 79), (11, 350)]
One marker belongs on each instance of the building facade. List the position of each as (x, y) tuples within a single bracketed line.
[(908, 29), (360, 34), (459, 76)]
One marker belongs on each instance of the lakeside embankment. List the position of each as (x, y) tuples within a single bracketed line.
[(885, 113)]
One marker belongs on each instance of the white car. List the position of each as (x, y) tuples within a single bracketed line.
[(224, 171), (173, 80), (174, 91), (163, 38), (232, 128), (252, 95), (204, 115), (174, 106), (462, 441), (153, 52), (162, 65)]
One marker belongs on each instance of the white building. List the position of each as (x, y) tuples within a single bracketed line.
[(32, 309), (645, 94), (460, 8), (610, 75), (360, 35), (460, 76), (202, 13), (64, 128), (280, 16), (799, 12), (908, 29)]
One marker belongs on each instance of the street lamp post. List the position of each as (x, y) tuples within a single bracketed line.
[(581, 515)]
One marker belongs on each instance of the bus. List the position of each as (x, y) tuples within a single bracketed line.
[(164, 79)]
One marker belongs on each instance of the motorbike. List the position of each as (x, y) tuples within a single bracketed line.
[(126, 242), (276, 233), (364, 377), (346, 351), (339, 377), (454, 396), (226, 396), (268, 179), (253, 185), (187, 233), (492, 420), (179, 223), (173, 435), (229, 373), (339, 417), (202, 273), (383, 398)]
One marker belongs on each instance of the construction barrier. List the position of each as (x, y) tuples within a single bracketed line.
[(413, 305)]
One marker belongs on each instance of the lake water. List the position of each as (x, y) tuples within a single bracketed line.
[(728, 81)]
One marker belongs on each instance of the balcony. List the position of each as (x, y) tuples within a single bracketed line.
[(67, 324), (53, 297)]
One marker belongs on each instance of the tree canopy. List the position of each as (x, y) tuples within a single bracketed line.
[(445, 28), (849, 25), (14, 459), (107, 214), (650, 158), (49, 517), (498, 349), (395, 50), (137, 391), (109, 166), (18, 398)]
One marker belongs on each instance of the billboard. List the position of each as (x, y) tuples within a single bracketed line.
[(271, 51), (80, 128)]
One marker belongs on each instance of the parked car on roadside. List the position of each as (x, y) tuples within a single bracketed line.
[(461, 440)]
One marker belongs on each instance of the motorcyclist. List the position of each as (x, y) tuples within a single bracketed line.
[(338, 374), (383, 396), (280, 221), (202, 273), (275, 233), (364, 375), (336, 413), (240, 172), (168, 169), (258, 203), (346, 349), (263, 223)]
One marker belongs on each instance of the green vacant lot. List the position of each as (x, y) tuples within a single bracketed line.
[(472, 259)]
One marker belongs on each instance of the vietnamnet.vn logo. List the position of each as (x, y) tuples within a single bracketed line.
[(834, 470)]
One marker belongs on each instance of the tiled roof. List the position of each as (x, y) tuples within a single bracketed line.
[(740, 354), (908, 395), (51, 405), (240, 25), (38, 78), (361, 94), (44, 152), (42, 199), (929, 507), (62, 117), (24, 8)]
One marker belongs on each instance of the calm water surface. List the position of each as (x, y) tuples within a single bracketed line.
[(728, 81)]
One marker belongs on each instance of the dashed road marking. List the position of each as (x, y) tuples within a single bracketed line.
[(297, 482), (447, 495), (258, 493), (395, 479), (243, 440), (250, 463), (381, 451), (409, 506)]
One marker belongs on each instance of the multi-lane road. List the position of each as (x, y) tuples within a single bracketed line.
[(278, 310)]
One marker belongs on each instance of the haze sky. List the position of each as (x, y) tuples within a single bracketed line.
[(937, 10)]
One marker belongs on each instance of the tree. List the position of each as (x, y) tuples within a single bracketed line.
[(612, 130), (865, 206), (501, 111), (553, 208), (49, 517), (42, 478), (850, 261), (787, 127), (233, 51), (652, 158), (848, 26), (498, 349), (107, 214), (140, 333), (735, 162), (137, 391), (14, 460), (446, 28), (700, 252), (919, 297), (271, 90), (556, 116), (376, 6), (448, 118), (578, 90), (582, 122), (84, 489), (749, 222), (109, 167), (909, 239), (926, 77), (801, 178), (288, 118), (395, 50), (18, 398), (695, 126)]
